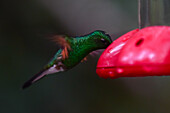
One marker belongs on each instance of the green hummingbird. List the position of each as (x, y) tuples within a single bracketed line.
[(72, 51)]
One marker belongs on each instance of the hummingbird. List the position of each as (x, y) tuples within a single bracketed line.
[(72, 51)]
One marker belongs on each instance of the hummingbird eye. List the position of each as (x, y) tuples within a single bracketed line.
[(103, 40)]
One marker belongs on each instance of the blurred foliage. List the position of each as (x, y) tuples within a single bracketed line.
[(25, 28)]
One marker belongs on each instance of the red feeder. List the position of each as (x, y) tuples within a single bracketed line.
[(146, 53)]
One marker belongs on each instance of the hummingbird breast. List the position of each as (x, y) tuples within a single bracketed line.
[(75, 57)]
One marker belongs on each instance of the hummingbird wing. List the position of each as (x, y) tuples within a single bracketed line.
[(55, 68), (93, 54), (35, 78), (63, 43)]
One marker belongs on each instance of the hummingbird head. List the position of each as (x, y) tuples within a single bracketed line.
[(100, 39)]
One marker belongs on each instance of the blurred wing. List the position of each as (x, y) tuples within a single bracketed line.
[(93, 54), (35, 78), (63, 43)]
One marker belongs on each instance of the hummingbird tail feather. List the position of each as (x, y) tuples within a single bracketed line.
[(35, 78)]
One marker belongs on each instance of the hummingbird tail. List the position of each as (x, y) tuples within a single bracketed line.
[(35, 78)]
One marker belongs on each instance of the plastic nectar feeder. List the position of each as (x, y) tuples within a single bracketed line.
[(146, 53)]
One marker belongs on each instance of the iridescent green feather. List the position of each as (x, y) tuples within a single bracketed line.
[(82, 46)]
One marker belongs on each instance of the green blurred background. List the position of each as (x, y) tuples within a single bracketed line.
[(25, 28)]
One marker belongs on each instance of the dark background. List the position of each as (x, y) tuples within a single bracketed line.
[(25, 28)]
